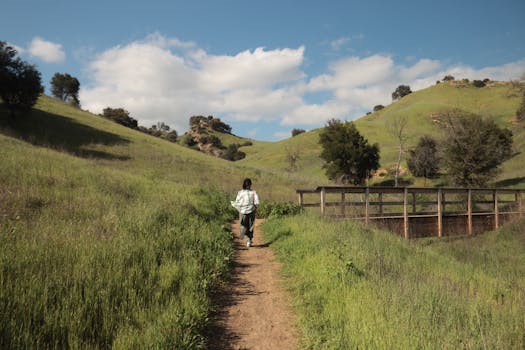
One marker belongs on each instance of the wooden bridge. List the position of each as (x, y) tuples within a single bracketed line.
[(419, 212)]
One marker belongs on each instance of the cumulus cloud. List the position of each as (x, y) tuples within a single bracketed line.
[(162, 79), (165, 79), (46, 50)]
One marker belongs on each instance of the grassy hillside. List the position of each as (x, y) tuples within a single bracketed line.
[(110, 237), (355, 287), (422, 109)]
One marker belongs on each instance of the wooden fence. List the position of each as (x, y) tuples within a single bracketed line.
[(419, 212)]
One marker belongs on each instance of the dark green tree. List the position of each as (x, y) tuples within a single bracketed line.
[(378, 108), (400, 92), (348, 156), (65, 87), (20, 82), (423, 161), (296, 132), (474, 148), (121, 116), (232, 153)]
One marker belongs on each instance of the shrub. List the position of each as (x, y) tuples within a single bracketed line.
[(478, 83), (296, 132), (278, 209)]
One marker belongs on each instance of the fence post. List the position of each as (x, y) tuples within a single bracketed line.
[(367, 205), (405, 212), (469, 211), (301, 199), (440, 212), (414, 202), (520, 204), (343, 205), (380, 203), (323, 200), (496, 210)]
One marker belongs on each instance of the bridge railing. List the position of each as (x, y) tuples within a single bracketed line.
[(417, 211)]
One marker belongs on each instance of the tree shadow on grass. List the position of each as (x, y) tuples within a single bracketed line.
[(62, 133), (510, 182)]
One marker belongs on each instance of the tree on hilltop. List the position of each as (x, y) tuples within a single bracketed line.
[(348, 156), (121, 116), (65, 87), (400, 92), (20, 82)]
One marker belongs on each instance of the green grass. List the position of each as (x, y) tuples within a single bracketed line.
[(360, 288), (110, 237), (93, 257)]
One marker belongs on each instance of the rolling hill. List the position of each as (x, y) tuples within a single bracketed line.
[(422, 109)]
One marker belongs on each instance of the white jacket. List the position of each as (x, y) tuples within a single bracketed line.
[(246, 201)]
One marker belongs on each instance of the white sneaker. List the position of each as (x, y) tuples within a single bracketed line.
[(248, 243)]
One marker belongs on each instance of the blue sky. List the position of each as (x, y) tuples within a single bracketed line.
[(265, 67)]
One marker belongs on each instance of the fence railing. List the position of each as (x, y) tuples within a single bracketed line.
[(419, 212)]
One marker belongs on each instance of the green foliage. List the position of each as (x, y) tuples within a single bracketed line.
[(121, 116), (423, 161), (478, 83), (400, 92), (232, 153), (358, 288), (296, 132), (348, 156), (474, 148), (65, 87), (197, 122), (20, 82), (378, 108), (278, 209), (448, 78)]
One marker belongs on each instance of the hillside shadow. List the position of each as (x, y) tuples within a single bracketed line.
[(391, 183), (62, 133), (510, 182)]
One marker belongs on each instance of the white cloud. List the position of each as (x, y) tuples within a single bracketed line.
[(156, 83), (46, 50), (165, 79)]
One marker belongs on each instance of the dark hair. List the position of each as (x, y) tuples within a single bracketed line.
[(247, 183)]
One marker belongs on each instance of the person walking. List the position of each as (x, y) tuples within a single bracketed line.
[(246, 204)]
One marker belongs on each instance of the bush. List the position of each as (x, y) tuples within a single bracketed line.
[(478, 83), (378, 107), (278, 209), (296, 132)]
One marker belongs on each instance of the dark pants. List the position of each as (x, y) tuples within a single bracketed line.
[(247, 225)]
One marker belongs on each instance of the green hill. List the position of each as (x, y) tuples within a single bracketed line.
[(422, 109), (110, 237)]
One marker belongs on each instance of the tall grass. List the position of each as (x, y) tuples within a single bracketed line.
[(95, 257), (360, 288)]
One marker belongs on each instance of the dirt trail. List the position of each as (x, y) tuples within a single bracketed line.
[(255, 311)]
